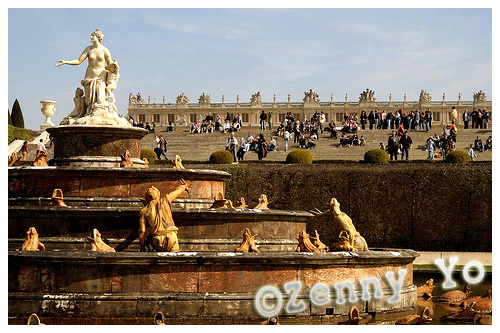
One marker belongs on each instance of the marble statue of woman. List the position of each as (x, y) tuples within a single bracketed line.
[(95, 76), (98, 110)]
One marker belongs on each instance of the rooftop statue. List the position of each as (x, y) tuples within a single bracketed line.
[(182, 99), (204, 99), (311, 97), (32, 243), (342, 222), (256, 99), (367, 96), (99, 83), (480, 96), (424, 96), (157, 217)]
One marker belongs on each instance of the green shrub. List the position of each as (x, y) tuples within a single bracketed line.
[(376, 156), (16, 133), (301, 156), (221, 157), (458, 156), (149, 155)]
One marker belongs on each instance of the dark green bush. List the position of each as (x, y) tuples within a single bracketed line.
[(458, 156), (221, 157), (149, 155), (376, 156), (301, 156)]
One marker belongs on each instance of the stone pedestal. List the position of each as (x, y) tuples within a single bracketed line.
[(95, 146)]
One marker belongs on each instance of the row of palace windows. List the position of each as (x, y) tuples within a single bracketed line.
[(245, 117)]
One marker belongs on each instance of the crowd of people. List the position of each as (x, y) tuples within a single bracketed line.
[(214, 123)]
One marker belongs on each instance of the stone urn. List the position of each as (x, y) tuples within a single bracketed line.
[(48, 111)]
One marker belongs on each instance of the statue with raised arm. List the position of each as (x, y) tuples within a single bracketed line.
[(157, 230), (99, 82), (342, 222)]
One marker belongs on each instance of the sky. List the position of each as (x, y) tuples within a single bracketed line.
[(165, 52)]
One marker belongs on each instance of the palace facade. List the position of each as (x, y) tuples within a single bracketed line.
[(182, 113)]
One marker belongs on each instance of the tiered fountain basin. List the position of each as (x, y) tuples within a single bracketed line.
[(84, 287), (207, 282)]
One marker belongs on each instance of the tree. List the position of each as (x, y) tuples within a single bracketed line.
[(10, 119), (17, 115)]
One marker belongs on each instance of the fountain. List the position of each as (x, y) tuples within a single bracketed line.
[(206, 281)]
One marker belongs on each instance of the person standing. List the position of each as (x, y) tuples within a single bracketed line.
[(453, 131), (465, 118), (473, 117), (454, 114), (406, 144), (430, 146), (392, 146), (322, 120), (485, 118), (472, 154), (286, 137), (261, 147), (263, 119), (157, 146), (231, 146), (270, 120)]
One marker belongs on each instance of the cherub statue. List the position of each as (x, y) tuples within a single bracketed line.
[(342, 222), (32, 243), (112, 77), (97, 244), (262, 202), (157, 230)]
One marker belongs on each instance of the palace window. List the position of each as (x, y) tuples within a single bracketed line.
[(245, 117), (170, 118), (339, 117), (192, 118), (436, 116), (156, 118), (142, 117), (296, 116), (281, 117), (326, 117)]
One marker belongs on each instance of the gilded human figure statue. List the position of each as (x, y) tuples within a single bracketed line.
[(157, 230)]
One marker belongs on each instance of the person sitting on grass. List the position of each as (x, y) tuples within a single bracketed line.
[(488, 143), (272, 144), (362, 141), (302, 142), (310, 142), (478, 144)]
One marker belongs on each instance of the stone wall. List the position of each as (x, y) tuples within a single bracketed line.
[(425, 207)]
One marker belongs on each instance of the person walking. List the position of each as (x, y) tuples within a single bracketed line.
[(392, 146), (270, 120), (406, 144), (261, 147), (430, 146), (163, 147), (286, 137), (40, 147)]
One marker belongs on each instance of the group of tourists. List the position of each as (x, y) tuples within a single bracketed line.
[(214, 123), (257, 144)]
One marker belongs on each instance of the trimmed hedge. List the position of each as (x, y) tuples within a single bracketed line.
[(458, 156), (376, 156), (421, 206), (16, 133), (149, 155), (221, 157), (300, 156)]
